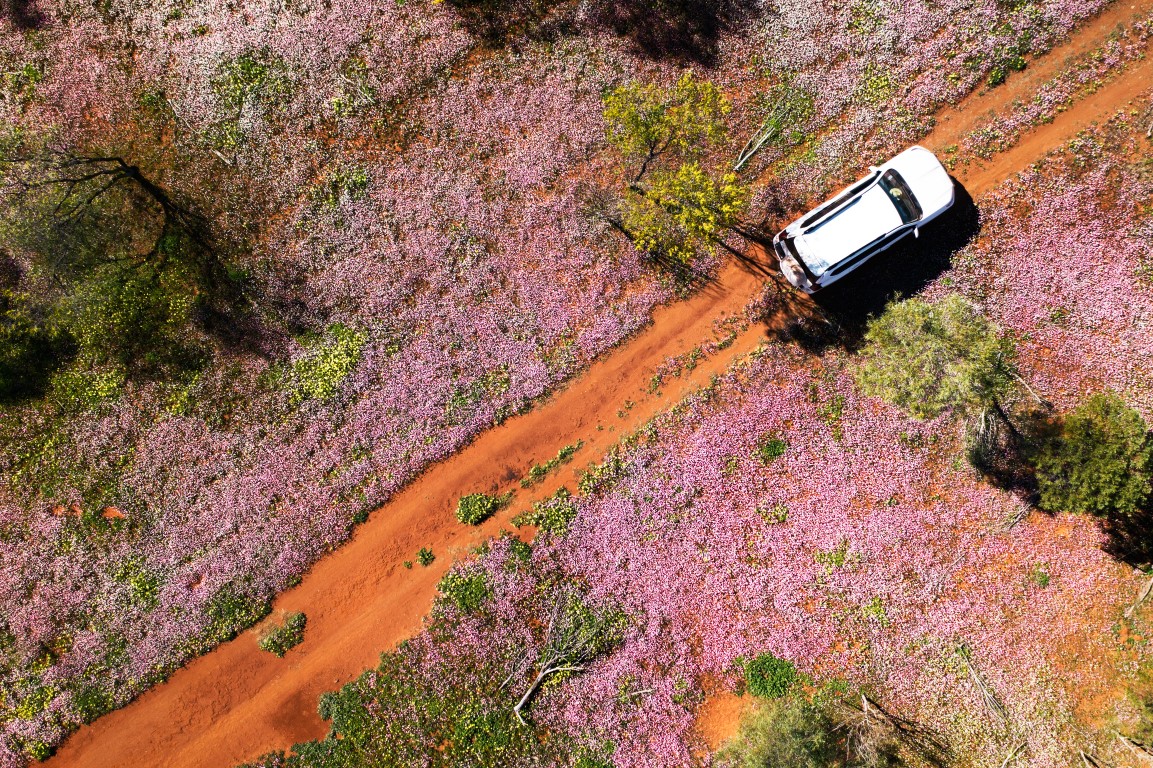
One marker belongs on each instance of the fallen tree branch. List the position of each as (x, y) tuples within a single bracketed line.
[(988, 697), (1137, 748), (1140, 599), (1013, 755), (1091, 762)]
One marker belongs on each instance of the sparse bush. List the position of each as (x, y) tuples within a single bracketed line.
[(539, 472), (769, 677), (786, 733), (1100, 463), (466, 591), (279, 639), (475, 508), (425, 556)]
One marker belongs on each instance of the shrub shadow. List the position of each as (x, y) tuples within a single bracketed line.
[(1130, 539), (904, 270)]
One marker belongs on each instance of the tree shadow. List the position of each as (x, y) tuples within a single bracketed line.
[(677, 30), (1130, 539), (904, 270), (1004, 453), (1006, 461), (22, 14)]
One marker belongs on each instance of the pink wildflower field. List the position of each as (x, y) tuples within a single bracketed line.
[(865, 549), (391, 174)]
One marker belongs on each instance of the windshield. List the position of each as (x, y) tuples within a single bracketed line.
[(788, 248), (898, 191)]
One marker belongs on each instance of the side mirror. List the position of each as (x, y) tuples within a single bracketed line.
[(916, 231), (874, 168)]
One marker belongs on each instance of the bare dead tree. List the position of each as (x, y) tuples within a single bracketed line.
[(872, 734), (1089, 761), (574, 636)]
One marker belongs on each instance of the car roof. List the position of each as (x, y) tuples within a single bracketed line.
[(852, 227)]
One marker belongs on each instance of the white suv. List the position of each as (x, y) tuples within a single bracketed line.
[(864, 219)]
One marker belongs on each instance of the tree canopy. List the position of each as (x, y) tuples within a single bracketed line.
[(1100, 462), (673, 207), (930, 357), (645, 122)]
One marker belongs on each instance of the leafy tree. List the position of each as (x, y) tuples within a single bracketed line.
[(927, 358), (681, 210), (647, 123), (1100, 462), (672, 207)]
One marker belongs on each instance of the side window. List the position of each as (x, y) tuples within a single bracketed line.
[(826, 208)]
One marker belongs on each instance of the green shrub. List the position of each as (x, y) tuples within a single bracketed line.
[(769, 677), (926, 358), (30, 350), (317, 375), (475, 508), (770, 449), (90, 702), (553, 515), (425, 556), (786, 733), (342, 183), (38, 750), (278, 639), (1100, 463), (778, 513), (467, 592), (230, 611)]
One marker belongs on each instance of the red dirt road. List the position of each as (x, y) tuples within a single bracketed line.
[(238, 702)]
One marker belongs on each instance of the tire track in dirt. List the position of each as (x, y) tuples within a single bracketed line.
[(237, 702)]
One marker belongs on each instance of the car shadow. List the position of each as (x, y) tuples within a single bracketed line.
[(902, 271)]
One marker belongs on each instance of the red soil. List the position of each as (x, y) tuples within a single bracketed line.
[(719, 716), (238, 702)]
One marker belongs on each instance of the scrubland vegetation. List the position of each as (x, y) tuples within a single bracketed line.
[(259, 267), (901, 616)]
